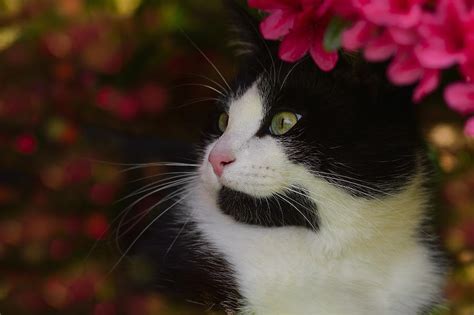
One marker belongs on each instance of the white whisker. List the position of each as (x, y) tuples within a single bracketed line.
[(143, 232), (208, 60)]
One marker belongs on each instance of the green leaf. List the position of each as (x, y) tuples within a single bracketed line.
[(332, 35)]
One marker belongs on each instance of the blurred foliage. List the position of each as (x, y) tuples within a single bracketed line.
[(86, 81)]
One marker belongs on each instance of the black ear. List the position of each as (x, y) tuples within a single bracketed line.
[(247, 39)]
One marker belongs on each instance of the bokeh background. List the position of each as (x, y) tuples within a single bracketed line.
[(92, 89)]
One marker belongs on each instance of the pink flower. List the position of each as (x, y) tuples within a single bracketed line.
[(469, 127), (399, 13), (467, 67), (380, 48), (428, 83), (460, 97), (358, 35), (301, 24), (307, 35), (405, 68), (282, 16), (445, 34), (378, 44), (403, 36)]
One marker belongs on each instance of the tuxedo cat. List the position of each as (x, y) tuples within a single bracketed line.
[(309, 197)]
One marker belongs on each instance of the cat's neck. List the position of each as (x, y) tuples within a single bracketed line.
[(385, 222)]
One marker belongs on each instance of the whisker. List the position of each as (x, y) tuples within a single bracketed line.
[(143, 165), (220, 86), (156, 184), (137, 218), (202, 85), (289, 73), (121, 216), (201, 100), (128, 208), (143, 232), (349, 180), (207, 59), (158, 175), (179, 234), (299, 211)]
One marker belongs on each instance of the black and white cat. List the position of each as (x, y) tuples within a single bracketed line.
[(309, 197)]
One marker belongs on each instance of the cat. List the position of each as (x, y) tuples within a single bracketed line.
[(310, 196)]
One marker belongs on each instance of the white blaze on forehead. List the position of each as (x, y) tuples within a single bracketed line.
[(245, 116)]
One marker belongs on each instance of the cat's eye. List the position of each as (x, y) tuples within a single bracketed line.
[(283, 122), (222, 122)]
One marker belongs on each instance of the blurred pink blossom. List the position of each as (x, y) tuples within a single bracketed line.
[(460, 97), (399, 13), (469, 127), (444, 34)]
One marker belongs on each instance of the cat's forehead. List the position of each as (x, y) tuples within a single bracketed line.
[(282, 86), (247, 111)]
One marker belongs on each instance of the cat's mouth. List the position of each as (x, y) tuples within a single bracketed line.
[(289, 208)]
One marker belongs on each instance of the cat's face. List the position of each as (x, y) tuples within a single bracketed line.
[(286, 128)]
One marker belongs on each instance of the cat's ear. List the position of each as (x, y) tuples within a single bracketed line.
[(247, 39)]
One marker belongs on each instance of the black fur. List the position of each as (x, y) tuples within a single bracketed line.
[(184, 266), (292, 208)]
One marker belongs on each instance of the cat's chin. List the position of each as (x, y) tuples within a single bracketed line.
[(289, 208)]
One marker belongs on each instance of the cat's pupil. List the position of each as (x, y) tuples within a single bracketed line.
[(283, 122)]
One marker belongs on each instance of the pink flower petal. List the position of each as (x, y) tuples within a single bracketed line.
[(269, 5), (380, 48), (326, 61), (428, 83), (321, 8), (467, 67), (444, 35), (380, 13), (357, 35), (295, 45), (344, 9), (460, 97), (404, 69), (469, 127), (277, 24), (436, 56), (403, 36)]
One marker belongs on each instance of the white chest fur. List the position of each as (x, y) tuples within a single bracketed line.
[(291, 270)]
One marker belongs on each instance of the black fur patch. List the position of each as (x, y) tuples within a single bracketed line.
[(287, 209), (182, 265)]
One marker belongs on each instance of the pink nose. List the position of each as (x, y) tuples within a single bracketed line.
[(219, 160)]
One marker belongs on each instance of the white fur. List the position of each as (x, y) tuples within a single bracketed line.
[(365, 258)]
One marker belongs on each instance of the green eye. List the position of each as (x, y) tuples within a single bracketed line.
[(223, 121), (283, 122)]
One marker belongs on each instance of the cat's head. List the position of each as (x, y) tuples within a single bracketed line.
[(285, 131)]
